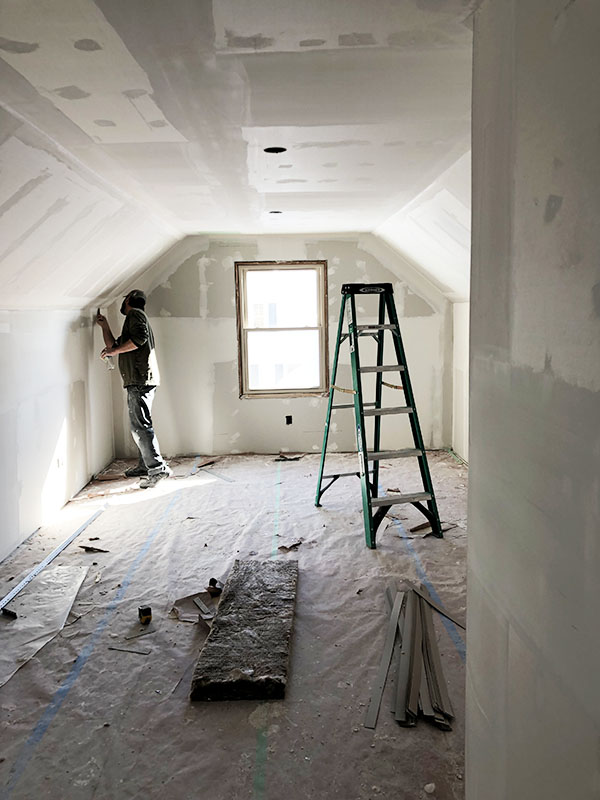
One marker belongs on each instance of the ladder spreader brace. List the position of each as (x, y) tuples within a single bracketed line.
[(374, 507)]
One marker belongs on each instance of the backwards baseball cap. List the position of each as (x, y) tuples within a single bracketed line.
[(136, 299), (136, 294)]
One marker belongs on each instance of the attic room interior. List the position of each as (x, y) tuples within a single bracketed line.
[(276, 181)]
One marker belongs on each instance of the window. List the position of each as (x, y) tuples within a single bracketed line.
[(282, 327)]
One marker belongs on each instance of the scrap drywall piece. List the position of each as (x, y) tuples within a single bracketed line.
[(246, 654), (42, 610), (186, 609)]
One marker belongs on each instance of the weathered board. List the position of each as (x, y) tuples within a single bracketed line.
[(246, 654)]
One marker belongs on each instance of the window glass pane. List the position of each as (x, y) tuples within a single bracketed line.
[(282, 298), (283, 360)]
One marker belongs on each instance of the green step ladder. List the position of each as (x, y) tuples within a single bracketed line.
[(374, 507)]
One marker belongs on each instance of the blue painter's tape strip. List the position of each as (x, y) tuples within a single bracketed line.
[(61, 693), (448, 624)]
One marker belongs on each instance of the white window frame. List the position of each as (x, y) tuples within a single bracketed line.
[(241, 270)]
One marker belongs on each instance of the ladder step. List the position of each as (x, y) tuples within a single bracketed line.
[(351, 405), (375, 327), (378, 412), (385, 454), (389, 368), (341, 474), (393, 500)]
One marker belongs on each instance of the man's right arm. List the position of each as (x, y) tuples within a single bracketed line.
[(109, 339)]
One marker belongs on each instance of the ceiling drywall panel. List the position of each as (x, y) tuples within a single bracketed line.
[(148, 121)]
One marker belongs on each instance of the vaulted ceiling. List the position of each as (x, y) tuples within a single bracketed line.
[(126, 125)]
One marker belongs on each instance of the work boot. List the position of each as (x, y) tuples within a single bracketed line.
[(151, 480), (136, 472)]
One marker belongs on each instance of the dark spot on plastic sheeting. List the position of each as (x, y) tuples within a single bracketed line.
[(312, 42), (105, 123), (12, 46), (285, 166), (596, 298), (89, 45), (355, 39), (133, 93), (553, 204), (256, 42), (71, 93)]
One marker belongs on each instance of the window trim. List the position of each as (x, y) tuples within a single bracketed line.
[(240, 269)]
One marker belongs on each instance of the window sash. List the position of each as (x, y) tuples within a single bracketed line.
[(241, 270)]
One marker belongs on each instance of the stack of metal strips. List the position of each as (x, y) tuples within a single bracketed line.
[(420, 683)]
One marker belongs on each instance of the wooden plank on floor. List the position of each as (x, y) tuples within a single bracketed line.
[(416, 664), (442, 701), (405, 662), (246, 654), (388, 649)]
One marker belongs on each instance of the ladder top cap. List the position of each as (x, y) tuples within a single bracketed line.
[(366, 288)]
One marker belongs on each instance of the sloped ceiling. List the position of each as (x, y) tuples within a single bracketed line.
[(126, 125)]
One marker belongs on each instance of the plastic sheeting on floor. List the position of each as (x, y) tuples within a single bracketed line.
[(42, 609)]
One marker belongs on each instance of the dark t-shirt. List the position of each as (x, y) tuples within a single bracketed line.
[(138, 367)]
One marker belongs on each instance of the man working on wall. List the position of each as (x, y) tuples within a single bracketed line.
[(139, 370)]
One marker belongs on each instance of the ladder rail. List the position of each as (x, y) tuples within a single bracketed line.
[(361, 439), (378, 391), (414, 417)]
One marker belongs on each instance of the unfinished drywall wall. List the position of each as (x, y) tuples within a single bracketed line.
[(55, 416), (533, 705), (192, 307), (460, 379)]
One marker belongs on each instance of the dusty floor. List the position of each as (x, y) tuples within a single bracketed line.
[(80, 721)]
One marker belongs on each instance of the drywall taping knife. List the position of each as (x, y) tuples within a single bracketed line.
[(14, 592)]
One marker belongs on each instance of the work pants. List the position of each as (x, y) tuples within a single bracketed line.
[(139, 404)]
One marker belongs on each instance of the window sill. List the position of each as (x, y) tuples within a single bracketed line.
[(283, 395)]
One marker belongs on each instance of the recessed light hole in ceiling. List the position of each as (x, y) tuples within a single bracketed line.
[(275, 149)]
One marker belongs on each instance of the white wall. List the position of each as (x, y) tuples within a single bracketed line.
[(192, 309), (533, 702), (460, 379), (55, 416)]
